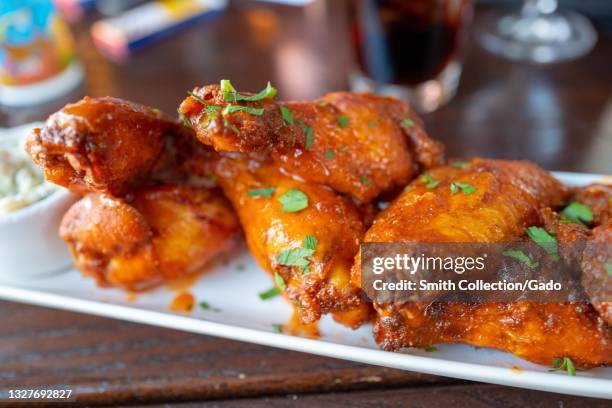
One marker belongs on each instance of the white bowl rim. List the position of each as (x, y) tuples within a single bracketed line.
[(35, 207)]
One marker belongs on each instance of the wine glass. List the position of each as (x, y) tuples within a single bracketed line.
[(538, 32)]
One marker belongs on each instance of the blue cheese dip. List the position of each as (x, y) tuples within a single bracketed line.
[(21, 182)]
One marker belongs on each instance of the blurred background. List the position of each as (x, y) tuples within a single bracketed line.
[(556, 111)]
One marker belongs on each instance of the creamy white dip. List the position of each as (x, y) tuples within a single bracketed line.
[(21, 182)]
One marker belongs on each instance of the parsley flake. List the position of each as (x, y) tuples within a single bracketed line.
[(431, 183), (230, 94), (460, 164), (430, 349), (578, 213), (299, 256), (280, 282), (329, 154), (525, 259), (408, 122), (366, 181), (206, 306), (343, 121), (609, 269), (466, 188), (261, 192), (323, 103), (541, 237), (197, 98), (270, 293), (293, 200), (309, 134), (286, 115), (564, 364), (310, 242), (372, 124), (184, 118), (278, 328), (229, 108)]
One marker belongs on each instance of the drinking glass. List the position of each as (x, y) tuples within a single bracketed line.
[(409, 49), (538, 32)]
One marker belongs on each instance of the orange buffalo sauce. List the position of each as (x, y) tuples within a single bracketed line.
[(183, 303)]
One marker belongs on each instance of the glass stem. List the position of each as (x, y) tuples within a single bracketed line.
[(535, 8)]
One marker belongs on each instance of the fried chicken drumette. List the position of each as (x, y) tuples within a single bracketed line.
[(490, 201), (358, 144), (156, 234)]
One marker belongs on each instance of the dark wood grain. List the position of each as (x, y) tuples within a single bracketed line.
[(109, 362), (558, 116), (473, 396)]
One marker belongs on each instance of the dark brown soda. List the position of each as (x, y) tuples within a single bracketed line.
[(406, 42)]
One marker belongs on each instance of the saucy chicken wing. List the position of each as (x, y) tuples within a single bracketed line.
[(303, 234), (490, 201), (155, 234), (358, 144), (100, 144)]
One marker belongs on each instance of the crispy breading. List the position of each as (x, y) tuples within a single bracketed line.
[(358, 144), (155, 235)]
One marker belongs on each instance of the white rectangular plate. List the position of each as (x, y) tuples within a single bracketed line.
[(232, 286)]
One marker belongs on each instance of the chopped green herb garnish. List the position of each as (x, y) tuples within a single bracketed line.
[(309, 134), (280, 282), (230, 126), (408, 122), (229, 108), (323, 103), (430, 349), (431, 183), (329, 154), (578, 213), (460, 164), (293, 200), (525, 259), (206, 306), (270, 293), (184, 118), (278, 328), (240, 267), (310, 242), (211, 112), (261, 192), (294, 257), (372, 124), (564, 364), (541, 237), (366, 181), (197, 98), (299, 256), (286, 115), (609, 269), (230, 94), (344, 149), (464, 187), (156, 111), (343, 121)]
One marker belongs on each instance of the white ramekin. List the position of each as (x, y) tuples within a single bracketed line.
[(29, 242)]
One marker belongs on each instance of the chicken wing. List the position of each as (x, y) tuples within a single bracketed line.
[(597, 270), (100, 144), (538, 332), (358, 144), (303, 234), (489, 201), (156, 234)]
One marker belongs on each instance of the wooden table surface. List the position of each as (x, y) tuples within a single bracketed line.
[(558, 116)]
